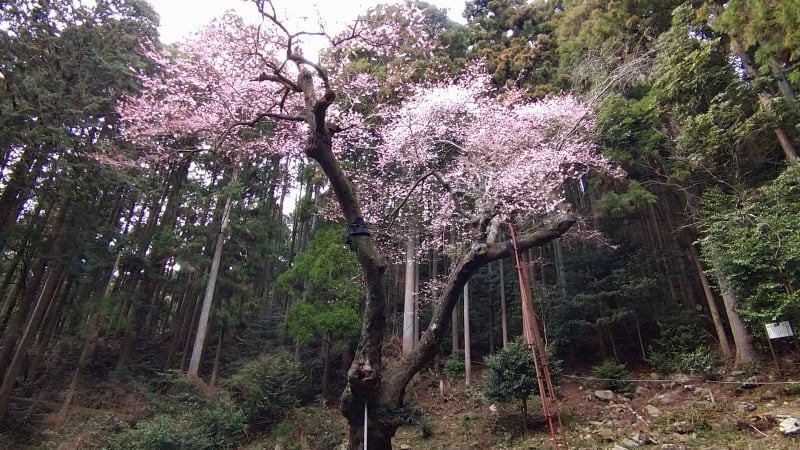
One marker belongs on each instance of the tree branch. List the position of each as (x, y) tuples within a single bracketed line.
[(470, 261)]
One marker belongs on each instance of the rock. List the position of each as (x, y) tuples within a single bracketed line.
[(628, 443), (703, 392), (619, 447), (681, 378), (760, 423), (604, 395), (677, 437), (652, 411), (683, 427), (745, 407), (666, 398), (789, 426), (642, 439), (672, 447), (737, 373), (688, 388), (641, 391), (404, 447), (605, 434), (768, 395)]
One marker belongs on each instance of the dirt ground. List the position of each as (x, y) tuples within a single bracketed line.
[(676, 412)]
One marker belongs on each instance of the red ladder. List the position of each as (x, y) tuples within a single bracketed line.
[(533, 337)]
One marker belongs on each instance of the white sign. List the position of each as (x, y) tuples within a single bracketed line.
[(779, 330)]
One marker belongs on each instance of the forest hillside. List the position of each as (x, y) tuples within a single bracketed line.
[(571, 221)]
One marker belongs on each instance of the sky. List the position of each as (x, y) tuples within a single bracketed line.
[(179, 18)]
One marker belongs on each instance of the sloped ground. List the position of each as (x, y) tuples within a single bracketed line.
[(686, 413), (740, 413)]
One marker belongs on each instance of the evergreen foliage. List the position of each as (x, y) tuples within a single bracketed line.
[(187, 419), (756, 235), (266, 388), (614, 376)]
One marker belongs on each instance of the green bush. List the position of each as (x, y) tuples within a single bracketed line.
[(453, 366), (681, 346), (266, 388), (700, 361), (510, 373), (186, 419), (613, 376)]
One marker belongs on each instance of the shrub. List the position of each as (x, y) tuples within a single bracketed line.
[(680, 344), (511, 373), (425, 427), (700, 361), (453, 366), (613, 375), (187, 419), (266, 387)]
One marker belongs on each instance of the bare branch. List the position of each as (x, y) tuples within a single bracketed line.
[(255, 121)]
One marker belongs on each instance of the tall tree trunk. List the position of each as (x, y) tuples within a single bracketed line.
[(89, 344), (17, 191), (467, 344), (745, 353), (416, 302), (722, 336), (326, 365), (17, 323), (202, 325), (13, 371), (503, 316), (217, 357), (455, 324), (561, 276), (408, 295)]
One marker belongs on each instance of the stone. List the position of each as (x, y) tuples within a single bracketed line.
[(641, 391), (681, 378), (688, 388), (768, 395), (605, 434), (652, 411), (666, 398), (683, 437), (745, 407), (604, 395), (628, 443), (405, 447), (641, 439), (683, 427), (618, 446), (790, 425), (737, 373)]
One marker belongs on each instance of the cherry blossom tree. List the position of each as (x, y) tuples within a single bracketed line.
[(476, 158), (200, 100), (204, 96)]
